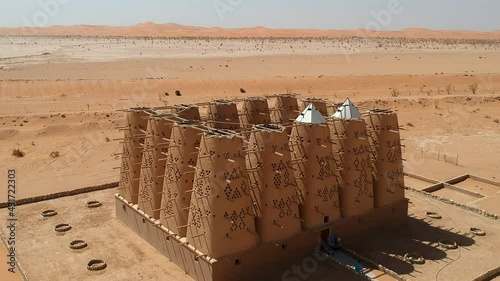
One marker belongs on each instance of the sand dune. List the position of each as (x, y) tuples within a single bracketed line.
[(175, 30)]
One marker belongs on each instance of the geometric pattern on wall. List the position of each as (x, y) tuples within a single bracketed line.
[(285, 205), (220, 202), (282, 175), (238, 219), (394, 178), (327, 193), (387, 159), (317, 174), (326, 166)]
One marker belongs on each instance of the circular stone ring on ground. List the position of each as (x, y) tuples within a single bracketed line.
[(415, 258), (433, 215), (477, 231), (78, 244), (63, 227), (94, 204), (448, 244), (48, 213), (95, 265)]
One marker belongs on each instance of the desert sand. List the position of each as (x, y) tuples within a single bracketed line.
[(5, 266), (127, 255), (130, 258), (60, 95), (151, 29)]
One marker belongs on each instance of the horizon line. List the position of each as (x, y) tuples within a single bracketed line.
[(248, 27)]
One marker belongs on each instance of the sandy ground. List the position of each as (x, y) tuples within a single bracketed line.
[(127, 255), (60, 96), (473, 192), (59, 105), (475, 255), (4, 267), (151, 29), (456, 196), (482, 188), (130, 258), (488, 203), (417, 183)]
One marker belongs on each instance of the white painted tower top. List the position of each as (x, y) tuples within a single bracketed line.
[(347, 111), (311, 115)]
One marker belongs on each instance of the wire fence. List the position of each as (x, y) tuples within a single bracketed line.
[(440, 156)]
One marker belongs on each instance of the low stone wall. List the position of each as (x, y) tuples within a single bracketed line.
[(420, 177), (452, 202), (61, 194), (343, 267), (374, 264), (489, 275), (484, 180)]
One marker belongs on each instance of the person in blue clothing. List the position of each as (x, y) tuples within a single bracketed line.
[(358, 267), (331, 243)]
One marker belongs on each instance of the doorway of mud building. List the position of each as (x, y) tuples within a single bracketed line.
[(324, 238)]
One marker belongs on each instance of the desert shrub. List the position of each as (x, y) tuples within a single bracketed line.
[(107, 139), (55, 154), (242, 90), (178, 93), (17, 153), (395, 93), (473, 88), (410, 124)]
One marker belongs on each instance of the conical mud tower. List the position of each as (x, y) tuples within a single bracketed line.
[(221, 218), (286, 110), (223, 114), (188, 111), (255, 111), (320, 104), (182, 157), (132, 153), (153, 164), (273, 183), (385, 141), (318, 179), (247, 199), (352, 148)]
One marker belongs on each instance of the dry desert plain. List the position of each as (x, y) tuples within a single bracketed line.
[(60, 97)]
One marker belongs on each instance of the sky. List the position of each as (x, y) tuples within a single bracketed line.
[(477, 15)]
